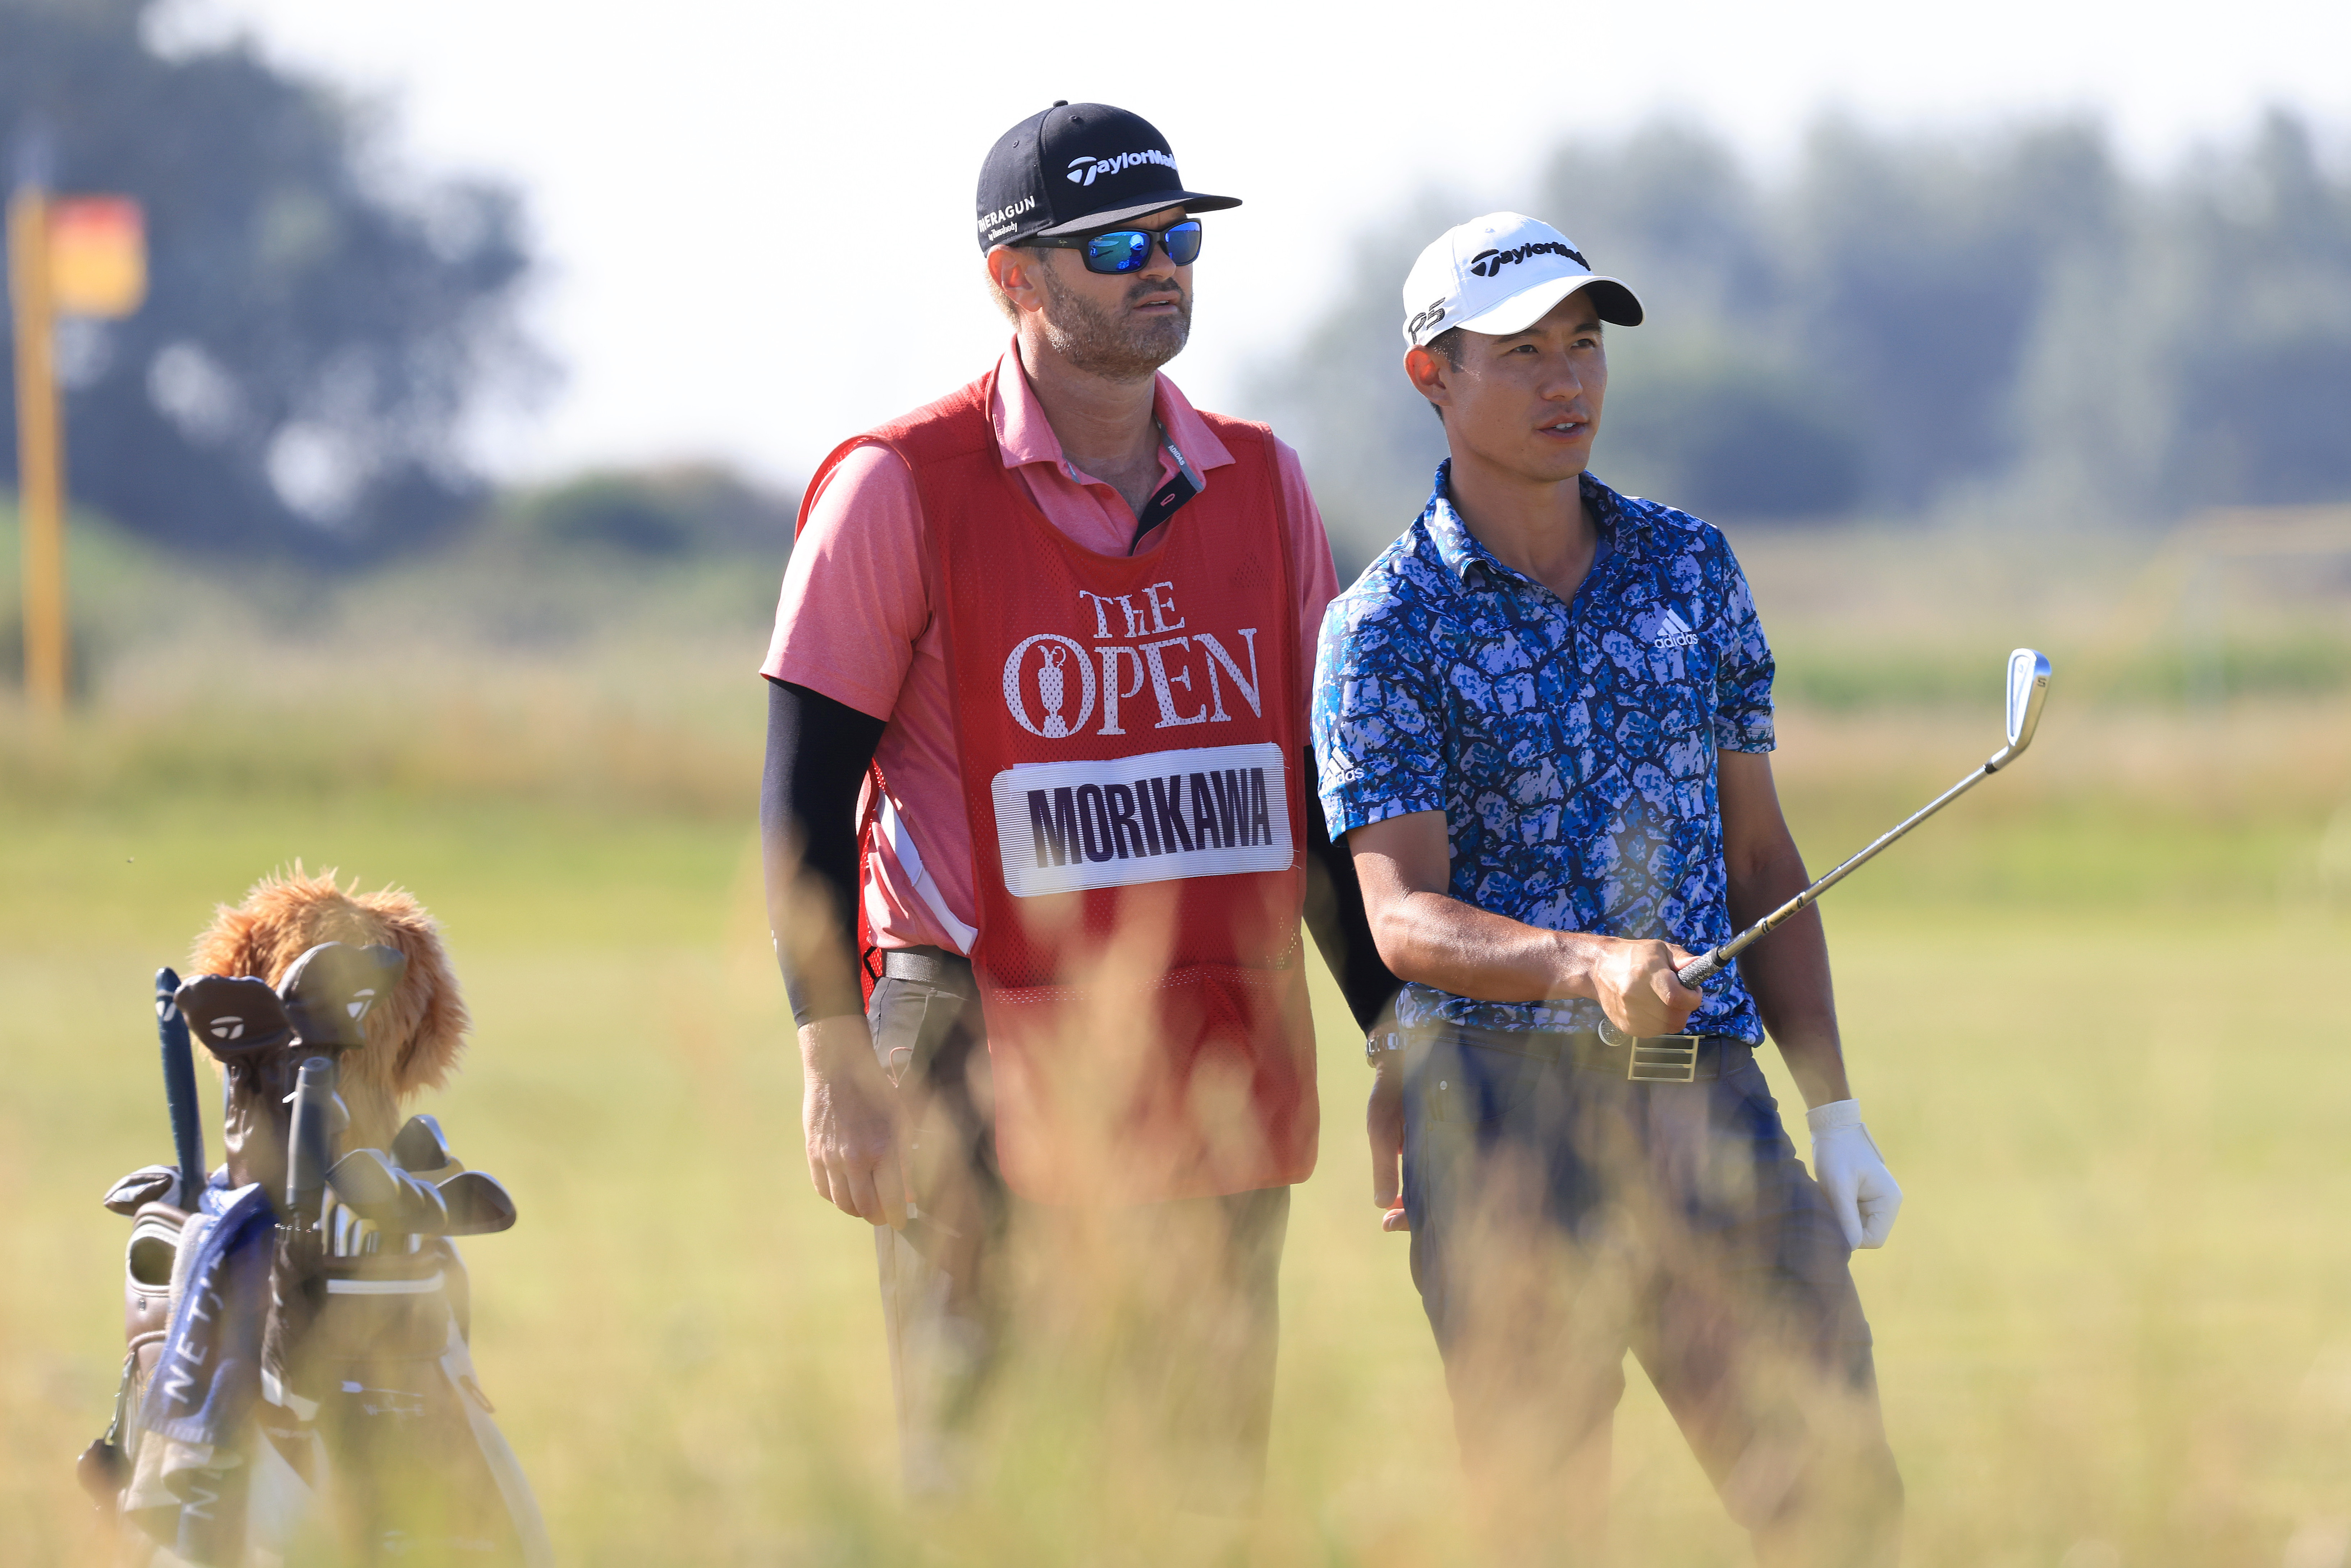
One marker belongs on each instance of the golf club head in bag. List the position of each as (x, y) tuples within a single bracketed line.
[(400, 1203), (423, 1149), (397, 1203)]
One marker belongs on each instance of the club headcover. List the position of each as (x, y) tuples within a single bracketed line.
[(148, 1183), (422, 1148), (235, 1017), (329, 990), (241, 1022)]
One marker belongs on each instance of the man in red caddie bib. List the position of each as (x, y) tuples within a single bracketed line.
[(1036, 763)]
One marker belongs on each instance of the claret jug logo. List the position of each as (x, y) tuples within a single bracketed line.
[(1060, 671), (1138, 665)]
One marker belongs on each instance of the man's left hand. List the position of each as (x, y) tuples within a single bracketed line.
[(1845, 1162)]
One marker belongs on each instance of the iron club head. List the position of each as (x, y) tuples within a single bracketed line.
[(2028, 689)]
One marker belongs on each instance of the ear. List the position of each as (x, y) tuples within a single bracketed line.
[(1014, 273), (1428, 373)]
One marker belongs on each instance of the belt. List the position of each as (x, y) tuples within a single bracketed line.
[(1650, 1059), (931, 965)]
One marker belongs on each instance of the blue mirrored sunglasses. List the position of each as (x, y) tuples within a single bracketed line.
[(1127, 250)]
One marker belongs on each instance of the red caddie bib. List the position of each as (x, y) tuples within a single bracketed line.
[(1129, 732)]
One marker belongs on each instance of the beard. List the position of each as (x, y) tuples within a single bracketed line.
[(1099, 343)]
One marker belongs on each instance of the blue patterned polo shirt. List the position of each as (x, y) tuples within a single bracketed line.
[(1570, 745)]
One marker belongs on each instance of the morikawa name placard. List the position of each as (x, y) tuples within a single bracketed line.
[(1208, 811)]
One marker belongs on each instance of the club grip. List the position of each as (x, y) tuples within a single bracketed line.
[(308, 1159), (1702, 968), (180, 1087)]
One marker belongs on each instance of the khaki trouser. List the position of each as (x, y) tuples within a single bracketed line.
[(1134, 1343)]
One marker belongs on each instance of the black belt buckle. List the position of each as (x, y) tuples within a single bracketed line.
[(1664, 1058)]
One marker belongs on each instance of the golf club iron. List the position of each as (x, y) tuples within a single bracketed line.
[(2028, 689)]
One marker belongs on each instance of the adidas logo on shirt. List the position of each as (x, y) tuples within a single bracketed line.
[(1673, 631)]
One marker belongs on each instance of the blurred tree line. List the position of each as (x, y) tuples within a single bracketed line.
[(1903, 324), (669, 512), (317, 322)]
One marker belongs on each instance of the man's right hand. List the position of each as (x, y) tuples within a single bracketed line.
[(1637, 988), (849, 1112)]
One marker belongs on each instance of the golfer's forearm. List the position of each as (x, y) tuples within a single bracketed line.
[(1439, 941), (1336, 917), (818, 752), (1787, 973)]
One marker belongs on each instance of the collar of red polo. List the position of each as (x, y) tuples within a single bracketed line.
[(1024, 435)]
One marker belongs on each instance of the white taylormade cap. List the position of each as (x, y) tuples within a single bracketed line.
[(1501, 274)]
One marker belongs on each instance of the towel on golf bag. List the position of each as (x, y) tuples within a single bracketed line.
[(210, 1372)]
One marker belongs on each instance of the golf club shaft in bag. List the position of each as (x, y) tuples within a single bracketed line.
[(309, 1152), (2028, 686), (180, 1088)]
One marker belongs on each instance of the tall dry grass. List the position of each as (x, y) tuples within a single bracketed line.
[(2090, 1012)]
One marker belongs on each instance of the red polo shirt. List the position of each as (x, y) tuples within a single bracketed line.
[(854, 623)]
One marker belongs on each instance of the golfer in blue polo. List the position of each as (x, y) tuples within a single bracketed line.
[(1543, 722)]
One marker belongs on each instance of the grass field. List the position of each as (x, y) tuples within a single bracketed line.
[(2092, 1016)]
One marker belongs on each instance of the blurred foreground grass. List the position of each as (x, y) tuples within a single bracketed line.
[(2091, 1014)]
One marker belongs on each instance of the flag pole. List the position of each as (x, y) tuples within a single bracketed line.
[(40, 467)]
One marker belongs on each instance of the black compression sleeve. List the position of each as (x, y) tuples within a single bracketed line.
[(1334, 913), (818, 752)]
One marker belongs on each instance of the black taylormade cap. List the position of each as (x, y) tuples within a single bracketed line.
[(1079, 166)]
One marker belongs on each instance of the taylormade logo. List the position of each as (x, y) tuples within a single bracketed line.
[(1487, 263), (1085, 169), (1673, 631)]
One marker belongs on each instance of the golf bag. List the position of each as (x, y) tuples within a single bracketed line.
[(297, 1385)]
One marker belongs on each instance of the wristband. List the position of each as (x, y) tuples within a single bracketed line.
[(1381, 1044), (1830, 1117)]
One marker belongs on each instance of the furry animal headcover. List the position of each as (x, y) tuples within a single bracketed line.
[(413, 1037)]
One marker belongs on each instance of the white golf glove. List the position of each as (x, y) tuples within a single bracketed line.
[(1846, 1164)]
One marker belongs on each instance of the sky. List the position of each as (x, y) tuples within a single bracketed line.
[(755, 216)]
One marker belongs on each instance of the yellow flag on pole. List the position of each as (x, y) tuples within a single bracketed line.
[(97, 256)]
